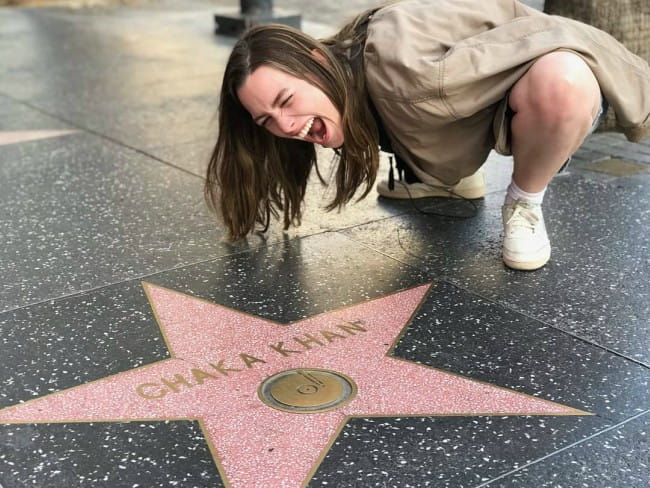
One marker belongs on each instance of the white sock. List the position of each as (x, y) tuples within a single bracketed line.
[(516, 193)]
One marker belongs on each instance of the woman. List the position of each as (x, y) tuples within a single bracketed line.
[(437, 82)]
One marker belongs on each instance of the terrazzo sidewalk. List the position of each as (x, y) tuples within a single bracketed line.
[(376, 347)]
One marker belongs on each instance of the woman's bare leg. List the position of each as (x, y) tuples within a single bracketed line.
[(554, 107)]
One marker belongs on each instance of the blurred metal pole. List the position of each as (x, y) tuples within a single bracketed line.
[(251, 13), (256, 7)]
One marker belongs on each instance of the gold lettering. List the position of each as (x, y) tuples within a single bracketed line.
[(150, 396), (178, 380), (330, 336), (250, 360), (222, 369), (200, 375), (285, 352), (305, 342), (351, 327)]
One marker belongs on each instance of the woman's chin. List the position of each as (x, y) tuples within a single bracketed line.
[(334, 142)]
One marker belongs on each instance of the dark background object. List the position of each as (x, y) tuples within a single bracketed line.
[(626, 20), (252, 13)]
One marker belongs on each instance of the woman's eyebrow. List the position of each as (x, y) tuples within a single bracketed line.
[(276, 102)]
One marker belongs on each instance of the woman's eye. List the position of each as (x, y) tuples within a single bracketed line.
[(264, 122)]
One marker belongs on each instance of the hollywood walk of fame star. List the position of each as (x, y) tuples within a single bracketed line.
[(14, 137), (220, 357)]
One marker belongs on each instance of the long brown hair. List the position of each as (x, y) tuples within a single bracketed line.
[(253, 175)]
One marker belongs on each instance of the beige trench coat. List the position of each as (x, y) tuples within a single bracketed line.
[(439, 73)]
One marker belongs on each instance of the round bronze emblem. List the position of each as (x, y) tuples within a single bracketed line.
[(307, 390)]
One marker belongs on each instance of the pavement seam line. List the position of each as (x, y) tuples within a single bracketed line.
[(451, 281), (102, 136), (570, 446)]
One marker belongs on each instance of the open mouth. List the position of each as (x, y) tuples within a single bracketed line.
[(315, 129), (305, 130)]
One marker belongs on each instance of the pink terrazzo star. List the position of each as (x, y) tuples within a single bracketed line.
[(14, 137), (221, 356)]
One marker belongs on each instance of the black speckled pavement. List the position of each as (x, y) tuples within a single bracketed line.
[(376, 347)]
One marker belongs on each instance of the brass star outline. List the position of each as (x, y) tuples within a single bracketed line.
[(196, 372)]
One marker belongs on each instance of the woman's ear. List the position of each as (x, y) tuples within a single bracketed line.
[(318, 54)]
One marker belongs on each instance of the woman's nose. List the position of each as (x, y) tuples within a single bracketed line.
[(286, 124)]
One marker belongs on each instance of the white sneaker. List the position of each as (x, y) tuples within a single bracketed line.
[(525, 242), (470, 187)]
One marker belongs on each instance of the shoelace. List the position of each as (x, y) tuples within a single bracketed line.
[(523, 216)]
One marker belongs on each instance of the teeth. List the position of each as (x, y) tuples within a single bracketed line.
[(305, 130)]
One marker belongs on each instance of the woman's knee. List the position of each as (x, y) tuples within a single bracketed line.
[(559, 88)]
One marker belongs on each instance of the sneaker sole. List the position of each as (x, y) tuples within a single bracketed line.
[(528, 265), (400, 193)]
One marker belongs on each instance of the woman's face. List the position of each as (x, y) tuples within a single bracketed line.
[(290, 107)]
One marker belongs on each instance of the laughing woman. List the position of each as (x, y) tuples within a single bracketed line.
[(439, 83)]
